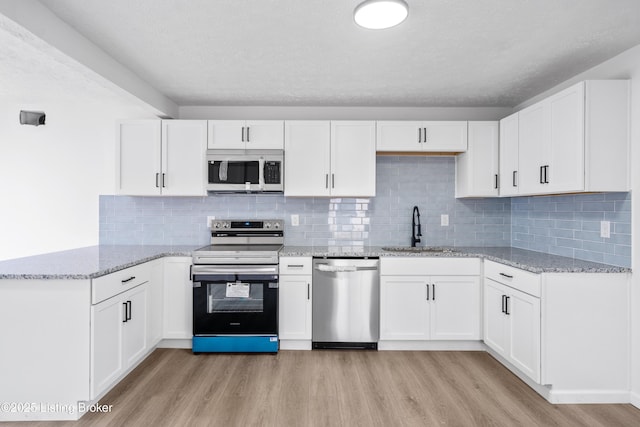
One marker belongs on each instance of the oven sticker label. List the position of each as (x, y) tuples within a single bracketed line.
[(238, 290)]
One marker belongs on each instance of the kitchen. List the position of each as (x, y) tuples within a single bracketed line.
[(46, 172)]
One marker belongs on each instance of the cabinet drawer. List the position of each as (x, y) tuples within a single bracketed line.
[(513, 277), (438, 266), (104, 287), (295, 265)]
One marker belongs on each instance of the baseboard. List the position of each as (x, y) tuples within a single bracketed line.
[(634, 399), (295, 344), (588, 396), (175, 343), (431, 345)]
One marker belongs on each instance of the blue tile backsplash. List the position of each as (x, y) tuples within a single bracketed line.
[(564, 225), (570, 226)]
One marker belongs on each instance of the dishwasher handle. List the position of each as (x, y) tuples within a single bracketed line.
[(343, 268)]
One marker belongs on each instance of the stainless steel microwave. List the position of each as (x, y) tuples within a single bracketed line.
[(245, 171)]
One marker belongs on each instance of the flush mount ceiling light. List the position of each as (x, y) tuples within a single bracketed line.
[(379, 14)]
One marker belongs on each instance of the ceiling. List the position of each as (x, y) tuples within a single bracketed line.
[(448, 53)]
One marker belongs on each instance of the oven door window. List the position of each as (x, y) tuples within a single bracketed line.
[(235, 297), (234, 172)]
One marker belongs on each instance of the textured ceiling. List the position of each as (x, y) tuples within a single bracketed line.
[(310, 52)]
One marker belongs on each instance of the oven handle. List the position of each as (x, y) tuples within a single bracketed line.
[(234, 269)]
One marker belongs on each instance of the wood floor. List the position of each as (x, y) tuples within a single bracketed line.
[(335, 388)]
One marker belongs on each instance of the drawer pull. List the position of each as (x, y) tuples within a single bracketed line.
[(295, 265), (128, 280), (506, 275)]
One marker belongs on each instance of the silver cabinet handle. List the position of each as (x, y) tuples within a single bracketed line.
[(427, 292), (295, 265), (515, 183), (333, 180), (420, 135), (326, 180), (425, 135), (242, 133), (248, 139), (157, 176)]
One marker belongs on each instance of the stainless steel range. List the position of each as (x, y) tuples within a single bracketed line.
[(235, 287)]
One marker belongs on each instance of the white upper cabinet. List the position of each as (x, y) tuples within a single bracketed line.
[(246, 134), (157, 157), (414, 136), (326, 158), (509, 169), (477, 171), (138, 158), (183, 157), (575, 141)]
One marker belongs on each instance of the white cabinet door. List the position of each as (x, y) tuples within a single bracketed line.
[(534, 130), (184, 144), (134, 328), (106, 344), (566, 148), (226, 134), (399, 136), (353, 158), (523, 311), (264, 134), (294, 307), (404, 309), (496, 326), (138, 157), (178, 298), (455, 308), (509, 141), (444, 136), (477, 171), (307, 153)]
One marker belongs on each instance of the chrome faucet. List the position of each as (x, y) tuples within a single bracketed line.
[(415, 237)]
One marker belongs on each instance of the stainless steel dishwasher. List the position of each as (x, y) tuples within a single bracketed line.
[(346, 303)]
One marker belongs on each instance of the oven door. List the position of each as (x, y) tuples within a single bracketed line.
[(235, 300)]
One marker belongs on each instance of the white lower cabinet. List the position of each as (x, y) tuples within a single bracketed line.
[(429, 308), (416, 306), (294, 303), (118, 336), (295, 308), (178, 298), (512, 326)]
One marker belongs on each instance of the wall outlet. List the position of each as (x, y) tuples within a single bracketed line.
[(444, 220), (295, 220), (210, 219), (605, 229)]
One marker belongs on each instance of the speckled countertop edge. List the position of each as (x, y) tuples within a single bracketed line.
[(535, 262), (96, 261)]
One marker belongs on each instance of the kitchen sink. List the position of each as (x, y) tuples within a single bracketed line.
[(427, 249)]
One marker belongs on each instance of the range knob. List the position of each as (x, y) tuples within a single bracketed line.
[(267, 225), (216, 225), (227, 225), (276, 225)]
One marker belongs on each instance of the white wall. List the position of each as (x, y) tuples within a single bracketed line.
[(624, 66), (51, 175)]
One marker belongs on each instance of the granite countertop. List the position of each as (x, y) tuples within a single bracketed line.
[(86, 263), (95, 261), (535, 262)]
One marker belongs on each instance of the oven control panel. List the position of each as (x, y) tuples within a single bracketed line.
[(253, 225)]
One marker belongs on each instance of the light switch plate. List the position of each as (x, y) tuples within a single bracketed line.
[(605, 229), (444, 220), (295, 220)]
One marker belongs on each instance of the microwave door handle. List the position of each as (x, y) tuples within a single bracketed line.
[(261, 173)]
